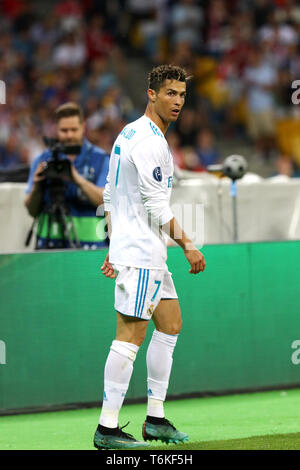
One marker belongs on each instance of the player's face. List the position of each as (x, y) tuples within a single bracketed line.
[(170, 99), (70, 130)]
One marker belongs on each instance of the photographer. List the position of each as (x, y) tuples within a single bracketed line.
[(77, 191)]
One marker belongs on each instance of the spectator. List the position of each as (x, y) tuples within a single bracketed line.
[(146, 26), (99, 42), (186, 19), (216, 24), (100, 79), (45, 31), (206, 150), (71, 52), (186, 127), (262, 11), (82, 52), (285, 166), (33, 144), (103, 137), (70, 13), (9, 154), (259, 82), (175, 149), (191, 162)]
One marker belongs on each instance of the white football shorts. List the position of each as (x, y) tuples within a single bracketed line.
[(138, 291)]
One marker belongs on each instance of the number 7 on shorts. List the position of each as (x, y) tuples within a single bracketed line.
[(155, 293)]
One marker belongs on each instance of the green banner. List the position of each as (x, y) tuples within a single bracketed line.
[(87, 229), (240, 324)]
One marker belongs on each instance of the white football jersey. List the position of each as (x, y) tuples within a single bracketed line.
[(137, 194)]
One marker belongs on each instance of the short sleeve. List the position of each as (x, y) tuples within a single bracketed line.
[(106, 194)]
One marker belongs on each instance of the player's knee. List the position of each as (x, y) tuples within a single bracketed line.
[(177, 327), (138, 340), (173, 328), (133, 337), (139, 336)]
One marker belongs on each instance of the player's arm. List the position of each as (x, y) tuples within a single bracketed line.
[(192, 254), (148, 158), (107, 268), (108, 221), (156, 202)]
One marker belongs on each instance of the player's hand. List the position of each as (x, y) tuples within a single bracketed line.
[(107, 268), (196, 260)]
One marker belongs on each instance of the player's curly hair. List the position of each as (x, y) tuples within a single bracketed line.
[(159, 74)]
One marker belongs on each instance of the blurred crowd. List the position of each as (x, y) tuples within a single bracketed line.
[(243, 56)]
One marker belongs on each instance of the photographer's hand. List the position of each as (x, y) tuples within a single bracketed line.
[(38, 175), (33, 201), (76, 177)]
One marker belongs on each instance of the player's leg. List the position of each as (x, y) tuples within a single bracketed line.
[(117, 374), (168, 323), (167, 320), (167, 317), (130, 333), (119, 366), (131, 329)]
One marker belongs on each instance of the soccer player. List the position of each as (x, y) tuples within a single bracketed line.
[(137, 208)]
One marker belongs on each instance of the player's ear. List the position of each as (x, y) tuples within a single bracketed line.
[(151, 95)]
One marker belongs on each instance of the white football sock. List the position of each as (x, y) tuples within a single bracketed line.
[(117, 373), (159, 363)]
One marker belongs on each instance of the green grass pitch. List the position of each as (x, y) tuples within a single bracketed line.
[(256, 421)]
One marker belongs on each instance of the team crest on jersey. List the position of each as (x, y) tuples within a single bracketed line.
[(150, 309), (157, 175)]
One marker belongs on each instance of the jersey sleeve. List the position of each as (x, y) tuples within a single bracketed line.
[(149, 157), (106, 194)]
